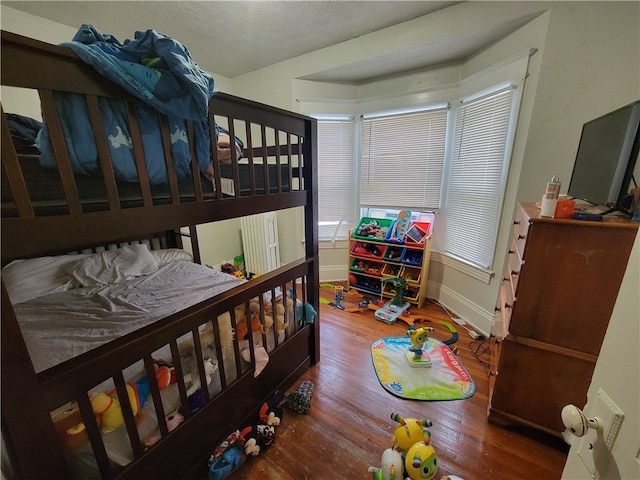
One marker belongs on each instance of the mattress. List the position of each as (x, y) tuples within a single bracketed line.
[(47, 196), (60, 326)]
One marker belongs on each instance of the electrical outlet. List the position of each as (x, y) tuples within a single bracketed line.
[(595, 447)]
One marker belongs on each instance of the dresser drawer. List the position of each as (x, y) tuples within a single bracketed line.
[(512, 268), (520, 232)]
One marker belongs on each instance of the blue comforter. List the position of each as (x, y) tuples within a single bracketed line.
[(159, 71)]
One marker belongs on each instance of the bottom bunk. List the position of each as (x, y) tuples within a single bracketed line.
[(152, 362)]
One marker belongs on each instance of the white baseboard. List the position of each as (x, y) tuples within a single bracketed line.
[(474, 315), (333, 273)]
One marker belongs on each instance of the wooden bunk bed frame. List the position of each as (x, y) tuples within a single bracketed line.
[(28, 398)]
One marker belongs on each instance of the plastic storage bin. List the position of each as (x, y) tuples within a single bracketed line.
[(417, 233), (368, 284), (412, 257), (393, 254), (411, 275), (367, 250), (358, 265), (379, 234), (391, 270), (374, 269)]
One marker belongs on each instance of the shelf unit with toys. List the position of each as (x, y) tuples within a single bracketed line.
[(374, 254)]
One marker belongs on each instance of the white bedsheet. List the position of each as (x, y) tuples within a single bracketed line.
[(62, 325)]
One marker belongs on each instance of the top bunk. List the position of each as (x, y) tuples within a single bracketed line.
[(79, 189)]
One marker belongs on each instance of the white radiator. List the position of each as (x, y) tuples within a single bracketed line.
[(260, 243)]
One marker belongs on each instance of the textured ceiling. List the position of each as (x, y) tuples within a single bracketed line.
[(231, 38)]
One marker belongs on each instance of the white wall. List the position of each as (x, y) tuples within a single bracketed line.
[(573, 77)]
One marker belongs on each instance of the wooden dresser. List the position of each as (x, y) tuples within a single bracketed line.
[(560, 284)]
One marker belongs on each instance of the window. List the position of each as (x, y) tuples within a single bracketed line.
[(403, 159), (476, 183), (336, 195)]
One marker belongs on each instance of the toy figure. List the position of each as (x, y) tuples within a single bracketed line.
[(409, 431), (391, 466), (421, 461), (398, 284), (256, 437), (416, 355), (271, 411)]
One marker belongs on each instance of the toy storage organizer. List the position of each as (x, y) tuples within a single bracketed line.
[(374, 256)]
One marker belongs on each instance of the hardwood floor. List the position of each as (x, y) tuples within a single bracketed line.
[(349, 424)]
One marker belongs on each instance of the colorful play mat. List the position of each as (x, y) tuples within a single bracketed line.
[(446, 379)]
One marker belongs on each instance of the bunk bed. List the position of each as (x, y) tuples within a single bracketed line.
[(74, 244)]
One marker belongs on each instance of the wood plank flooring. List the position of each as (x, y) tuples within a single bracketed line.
[(349, 423)]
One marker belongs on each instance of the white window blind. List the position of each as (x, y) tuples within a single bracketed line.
[(478, 170), (402, 159), (335, 178)]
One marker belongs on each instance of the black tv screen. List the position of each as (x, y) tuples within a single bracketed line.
[(607, 154)]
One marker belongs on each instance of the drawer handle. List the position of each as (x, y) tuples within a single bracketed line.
[(516, 222), (506, 305), (506, 279), (514, 273), (511, 252), (521, 237), (496, 308)]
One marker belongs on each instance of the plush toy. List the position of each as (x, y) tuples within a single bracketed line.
[(165, 373), (173, 420), (68, 422), (300, 400), (409, 432), (193, 379), (242, 330), (271, 411), (256, 437), (108, 410), (421, 461), (227, 457), (391, 466), (281, 322)]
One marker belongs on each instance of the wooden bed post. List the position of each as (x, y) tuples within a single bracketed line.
[(32, 434), (310, 151)]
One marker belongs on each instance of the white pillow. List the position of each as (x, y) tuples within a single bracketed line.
[(113, 266), (167, 255), (33, 277)]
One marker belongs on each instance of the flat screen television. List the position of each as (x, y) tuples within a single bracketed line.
[(606, 157)]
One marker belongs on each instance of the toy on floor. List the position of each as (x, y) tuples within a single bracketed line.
[(411, 457), (300, 400), (391, 310), (256, 437), (454, 333), (271, 410), (421, 461), (416, 354), (391, 466), (226, 458), (409, 431)]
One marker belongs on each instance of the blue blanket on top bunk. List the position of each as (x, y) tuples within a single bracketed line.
[(159, 71)]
